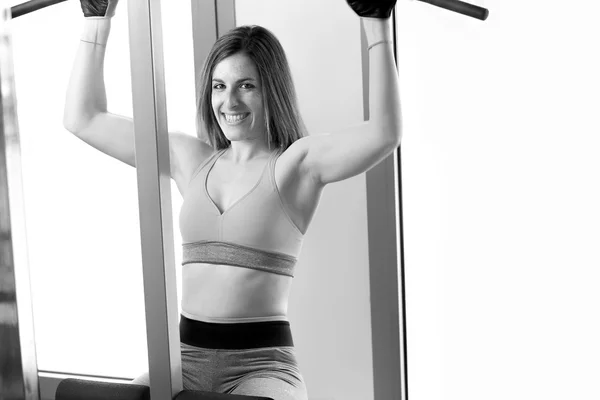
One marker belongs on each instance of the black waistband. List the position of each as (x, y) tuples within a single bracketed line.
[(245, 335)]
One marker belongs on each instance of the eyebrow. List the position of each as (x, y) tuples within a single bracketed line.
[(239, 80)]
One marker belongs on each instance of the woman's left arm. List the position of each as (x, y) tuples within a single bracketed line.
[(353, 150)]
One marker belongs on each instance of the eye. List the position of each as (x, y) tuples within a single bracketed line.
[(218, 86), (247, 86)]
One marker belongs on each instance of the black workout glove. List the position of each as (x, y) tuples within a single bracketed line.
[(99, 8), (372, 8)]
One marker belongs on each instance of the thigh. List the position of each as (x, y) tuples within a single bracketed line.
[(269, 372), (271, 386), (197, 369)]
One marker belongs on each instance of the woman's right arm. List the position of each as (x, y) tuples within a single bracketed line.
[(86, 115)]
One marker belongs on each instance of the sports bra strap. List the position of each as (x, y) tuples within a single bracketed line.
[(203, 164)]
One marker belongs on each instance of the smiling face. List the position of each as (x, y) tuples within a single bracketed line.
[(236, 98)]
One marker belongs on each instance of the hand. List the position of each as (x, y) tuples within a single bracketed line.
[(372, 8), (99, 8)]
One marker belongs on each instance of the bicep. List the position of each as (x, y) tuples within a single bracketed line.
[(114, 135), (342, 155)]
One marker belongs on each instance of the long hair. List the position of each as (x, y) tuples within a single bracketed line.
[(283, 122)]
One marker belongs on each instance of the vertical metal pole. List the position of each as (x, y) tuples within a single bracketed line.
[(225, 16), (18, 370), (388, 324), (210, 20), (154, 188), (400, 245), (204, 34)]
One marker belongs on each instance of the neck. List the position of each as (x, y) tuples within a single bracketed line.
[(243, 152)]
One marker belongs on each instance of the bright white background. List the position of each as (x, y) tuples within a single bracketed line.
[(501, 185)]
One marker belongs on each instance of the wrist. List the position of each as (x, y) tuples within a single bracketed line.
[(377, 29), (96, 30)]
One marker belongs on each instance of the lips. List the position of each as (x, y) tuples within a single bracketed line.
[(234, 119)]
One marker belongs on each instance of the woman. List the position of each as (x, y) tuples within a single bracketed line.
[(249, 194)]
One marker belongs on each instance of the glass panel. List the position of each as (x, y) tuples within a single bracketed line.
[(180, 89), (501, 194), (81, 206)]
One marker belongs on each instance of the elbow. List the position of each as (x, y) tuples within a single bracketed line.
[(395, 128), (399, 137), (71, 122), (75, 123), (77, 115), (69, 125), (396, 133), (390, 129)]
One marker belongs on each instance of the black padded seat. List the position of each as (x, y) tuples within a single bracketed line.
[(80, 389)]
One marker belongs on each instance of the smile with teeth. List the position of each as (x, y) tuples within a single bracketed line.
[(235, 118)]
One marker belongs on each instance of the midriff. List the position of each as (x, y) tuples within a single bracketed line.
[(225, 293)]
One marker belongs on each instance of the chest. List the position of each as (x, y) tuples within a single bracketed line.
[(227, 185)]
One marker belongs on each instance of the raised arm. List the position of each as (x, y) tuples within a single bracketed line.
[(85, 112), (384, 96), (86, 115), (353, 150)]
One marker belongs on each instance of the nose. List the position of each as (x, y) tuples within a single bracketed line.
[(231, 100)]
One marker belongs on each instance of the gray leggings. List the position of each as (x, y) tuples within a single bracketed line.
[(269, 371)]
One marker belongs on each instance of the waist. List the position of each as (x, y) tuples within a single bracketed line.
[(219, 291), (248, 335)]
